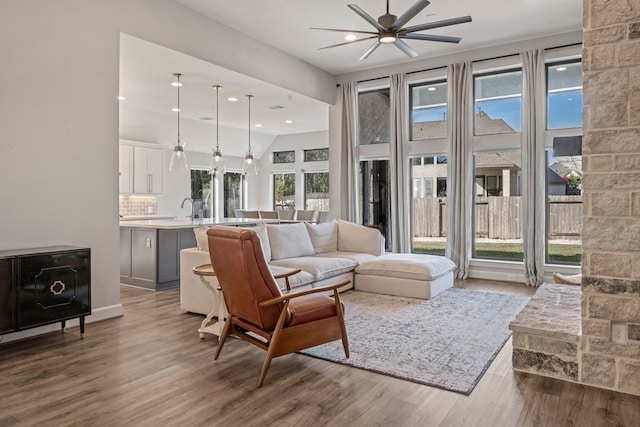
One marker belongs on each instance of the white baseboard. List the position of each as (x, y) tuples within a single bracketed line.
[(97, 315)]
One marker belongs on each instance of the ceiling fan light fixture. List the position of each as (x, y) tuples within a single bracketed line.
[(387, 37)]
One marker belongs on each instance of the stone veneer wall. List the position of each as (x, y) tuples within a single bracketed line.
[(138, 205), (611, 159)]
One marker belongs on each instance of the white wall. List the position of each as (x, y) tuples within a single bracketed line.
[(59, 133), (298, 142)]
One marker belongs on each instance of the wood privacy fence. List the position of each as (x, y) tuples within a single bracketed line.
[(498, 217)]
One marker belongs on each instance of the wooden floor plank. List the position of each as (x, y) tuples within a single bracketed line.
[(150, 367)]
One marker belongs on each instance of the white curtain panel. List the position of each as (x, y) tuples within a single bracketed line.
[(533, 165), (349, 156), (400, 198), (460, 166)]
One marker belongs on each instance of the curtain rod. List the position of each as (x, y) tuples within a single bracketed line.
[(473, 62)]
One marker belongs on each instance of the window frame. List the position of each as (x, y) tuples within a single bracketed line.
[(426, 83), (309, 150), (275, 153), (494, 72)]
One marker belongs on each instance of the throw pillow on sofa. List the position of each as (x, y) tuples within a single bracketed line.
[(324, 237), (289, 240)]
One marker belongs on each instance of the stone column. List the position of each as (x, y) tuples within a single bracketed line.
[(611, 164)]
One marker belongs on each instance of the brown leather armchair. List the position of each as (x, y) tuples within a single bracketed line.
[(280, 323)]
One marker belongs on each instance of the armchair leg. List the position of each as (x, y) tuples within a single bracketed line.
[(265, 368), (343, 328), (223, 336), (273, 344)]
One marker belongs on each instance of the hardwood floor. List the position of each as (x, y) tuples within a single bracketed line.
[(149, 367)]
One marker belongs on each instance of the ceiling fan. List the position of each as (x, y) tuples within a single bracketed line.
[(391, 29)]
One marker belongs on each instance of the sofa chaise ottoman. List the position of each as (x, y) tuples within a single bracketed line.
[(405, 275)]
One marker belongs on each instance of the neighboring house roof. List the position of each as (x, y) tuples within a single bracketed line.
[(503, 159), (484, 124)]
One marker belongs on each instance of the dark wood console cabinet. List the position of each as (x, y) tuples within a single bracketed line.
[(40, 286)]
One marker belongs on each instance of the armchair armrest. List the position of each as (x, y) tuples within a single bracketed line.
[(286, 277), (295, 294)]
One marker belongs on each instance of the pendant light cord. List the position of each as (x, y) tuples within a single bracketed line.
[(178, 86), (249, 97), (217, 117)]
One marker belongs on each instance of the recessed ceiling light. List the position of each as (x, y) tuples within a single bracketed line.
[(258, 125), (431, 88), (121, 98), (232, 99), (561, 69), (288, 121), (175, 110), (350, 37), (176, 84)]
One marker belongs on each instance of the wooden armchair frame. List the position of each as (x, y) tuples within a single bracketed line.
[(259, 313), (285, 340)]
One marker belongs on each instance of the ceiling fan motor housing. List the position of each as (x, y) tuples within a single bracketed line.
[(387, 20)]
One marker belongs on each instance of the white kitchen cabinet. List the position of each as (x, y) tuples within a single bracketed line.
[(148, 170), (126, 169)]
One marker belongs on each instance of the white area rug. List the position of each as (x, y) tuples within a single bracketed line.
[(447, 342)]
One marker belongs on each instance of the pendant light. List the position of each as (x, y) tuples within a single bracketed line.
[(217, 163), (250, 165), (178, 156)]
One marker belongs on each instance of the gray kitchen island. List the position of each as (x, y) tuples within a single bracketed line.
[(150, 249)]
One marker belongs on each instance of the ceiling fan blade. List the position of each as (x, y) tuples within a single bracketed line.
[(437, 24), (410, 13), (365, 16), (431, 38), (405, 48), (353, 41), (370, 51), (344, 31)]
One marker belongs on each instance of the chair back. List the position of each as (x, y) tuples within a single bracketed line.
[(305, 215), (323, 216), (269, 214), (238, 213), (243, 274), (286, 214), (250, 214)]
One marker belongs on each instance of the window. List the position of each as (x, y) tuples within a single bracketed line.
[(498, 206), (373, 117), (374, 196), (316, 155), (498, 103), (201, 192), (564, 95), (232, 190), (428, 111), (429, 205), (284, 191), (564, 201), (284, 156), (316, 191)]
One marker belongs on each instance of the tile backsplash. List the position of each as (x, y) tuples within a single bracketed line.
[(138, 205)]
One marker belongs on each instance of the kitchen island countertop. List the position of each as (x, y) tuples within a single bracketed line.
[(171, 224)]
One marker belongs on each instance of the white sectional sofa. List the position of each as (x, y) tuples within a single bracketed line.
[(327, 253)]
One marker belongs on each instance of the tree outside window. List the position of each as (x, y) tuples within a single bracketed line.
[(316, 191)]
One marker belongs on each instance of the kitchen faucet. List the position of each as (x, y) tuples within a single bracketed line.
[(182, 206)]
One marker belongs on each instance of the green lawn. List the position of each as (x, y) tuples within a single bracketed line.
[(507, 251)]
